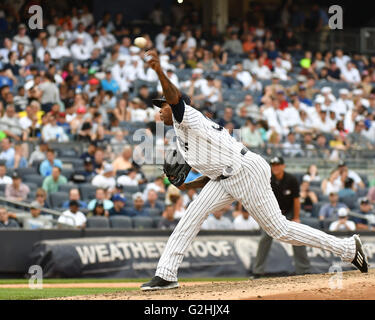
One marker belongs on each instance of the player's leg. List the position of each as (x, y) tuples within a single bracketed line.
[(264, 247), (211, 198), (301, 260), (252, 187)]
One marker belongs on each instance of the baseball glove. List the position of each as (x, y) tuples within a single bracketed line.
[(175, 167)]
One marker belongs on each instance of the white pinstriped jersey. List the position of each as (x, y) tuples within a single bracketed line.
[(206, 146)]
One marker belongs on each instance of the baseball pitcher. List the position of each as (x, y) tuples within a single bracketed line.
[(229, 172)]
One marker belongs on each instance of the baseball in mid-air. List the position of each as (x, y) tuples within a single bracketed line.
[(140, 42)]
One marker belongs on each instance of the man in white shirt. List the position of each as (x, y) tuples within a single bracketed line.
[(172, 76), (196, 78), (341, 60), (119, 73), (245, 222), (161, 38), (343, 104), (280, 70), (106, 179), (7, 152), (342, 224), (262, 71), (53, 132), (79, 50), (81, 33), (21, 37), (210, 91), (107, 39), (216, 221), (323, 123), (129, 179), (351, 74), (73, 217), (242, 75), (60, 51), (4, 179)]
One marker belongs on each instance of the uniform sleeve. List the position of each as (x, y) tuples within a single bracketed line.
[(191, 117), (295, 188), (178, 110)]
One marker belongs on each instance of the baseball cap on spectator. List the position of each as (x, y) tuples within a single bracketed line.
[(73, 203), (93, 81), (357, 92), (81, 109), (326, 90), (342, 212), (119, 186), (22, 26), (364, 200), (342, 163), (209, 77), (107, 168), (319, 99), (301, 78), (333, 192), (134, 50), (136, 100), (35, 205), (117, 197), (137, 195), (197, 71), (323, 109), (277, 160), (99, 203), (15, 175), (87, 160), (121, 57), (275, 76), (343, 91)]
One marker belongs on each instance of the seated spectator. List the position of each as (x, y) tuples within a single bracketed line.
[(366, 209), (329, 210), (74, 195), (40, 198), (312, 174), (17, 191), (106, 179), (36, 221), (250, 135), (345, 172), (52, 182), (291, 147), (129, 179), (7, 151), (217, 221), (157, 185), (342, 224), (18, 161), (357, 140), (40, 153), (168, 220), (86, 174), (245, 222), (98, 210), (251, 110), (73, 217), (124, 161), (228, 118), (47, 165), (152, 201), (307, 197), (10, 123), (100, 195), (138, 209), (5, 222), (178, 203), (90, 153), (332, 183), (4, 179), (53, 132), (371, 195), (348, 190), (118, 208)]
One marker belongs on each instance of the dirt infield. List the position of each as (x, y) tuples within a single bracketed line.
[(354, 286)]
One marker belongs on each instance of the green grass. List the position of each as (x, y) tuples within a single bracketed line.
[(26, 281), (28, 294)]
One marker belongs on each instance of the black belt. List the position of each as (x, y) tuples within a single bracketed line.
[(222, 177)]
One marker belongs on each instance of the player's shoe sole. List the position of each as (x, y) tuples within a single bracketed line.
[(157, 283), (360, 259)]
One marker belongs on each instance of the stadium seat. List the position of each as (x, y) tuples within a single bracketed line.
[(120, 222), (58, 198), (350, 201), (26, 171), (31, 185), (142, 222), (154, 212), (131, 189), (34, 178), (87, 191), (98, 223), (155, 221), (67, 173), (67, 187)]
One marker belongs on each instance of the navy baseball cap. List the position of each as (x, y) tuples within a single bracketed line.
[(159, 102), (277, 160), (117, 197)]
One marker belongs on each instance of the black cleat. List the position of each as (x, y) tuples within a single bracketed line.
[(360, 259), (157, 283)]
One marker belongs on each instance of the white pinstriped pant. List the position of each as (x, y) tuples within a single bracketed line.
[(252, 187)]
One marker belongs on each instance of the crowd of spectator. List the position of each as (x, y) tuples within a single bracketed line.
[(81, 80)]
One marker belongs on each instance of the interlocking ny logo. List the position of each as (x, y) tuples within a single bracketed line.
[(335, 21), (36, 279), (36, 20)]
